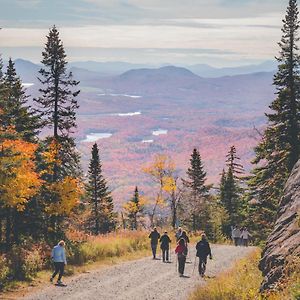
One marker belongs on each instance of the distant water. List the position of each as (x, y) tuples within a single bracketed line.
[(27, 85), (147, 141), (95, 136), (130, 114), (159, 132), (121, 95)]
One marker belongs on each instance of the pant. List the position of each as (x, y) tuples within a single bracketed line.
[(236, 241), (59, 268), (181, 264), (165, 254), (245, 242), (202, 265), (153, 248)]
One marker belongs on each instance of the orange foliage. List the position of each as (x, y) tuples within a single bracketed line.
[(18, 178)]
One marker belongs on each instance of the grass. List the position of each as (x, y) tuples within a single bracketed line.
[(242, 283), (90, 254)]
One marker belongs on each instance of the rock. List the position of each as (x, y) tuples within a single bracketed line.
[(284, 242)]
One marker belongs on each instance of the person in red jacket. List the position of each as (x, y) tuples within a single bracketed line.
[(181, 251)]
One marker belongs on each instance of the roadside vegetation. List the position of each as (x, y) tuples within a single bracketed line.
[(243, 281)]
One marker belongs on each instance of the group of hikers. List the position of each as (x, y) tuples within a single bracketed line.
[(202, 248), (240, 236)]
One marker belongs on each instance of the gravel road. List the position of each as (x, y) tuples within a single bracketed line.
[(143, 279)]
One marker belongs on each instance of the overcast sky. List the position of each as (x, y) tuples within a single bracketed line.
[(218, 32)]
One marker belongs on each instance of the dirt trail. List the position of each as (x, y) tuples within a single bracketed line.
[(143, 279)]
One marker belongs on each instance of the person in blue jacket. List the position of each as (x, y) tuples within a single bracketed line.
[(58, 256)]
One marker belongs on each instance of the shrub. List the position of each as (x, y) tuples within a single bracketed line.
[(4, 271)]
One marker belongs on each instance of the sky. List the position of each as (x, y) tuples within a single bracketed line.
[(182, 32)]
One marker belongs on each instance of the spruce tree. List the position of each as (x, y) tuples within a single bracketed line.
[(102, 215), (279, 148), (232, 162), (57, 104), (197, 191), (56, 108), (18, 113)]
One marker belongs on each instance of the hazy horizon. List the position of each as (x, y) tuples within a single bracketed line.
[(215, 32)]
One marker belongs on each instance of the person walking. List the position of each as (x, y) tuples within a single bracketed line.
[(181, 251), (186, 240), (154, 237), (245, 235), (58, 256), (164, 246), (203, 250), (178, 234), (236, 236)]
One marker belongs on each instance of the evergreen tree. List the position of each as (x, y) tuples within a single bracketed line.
[(57, 104), (16, 111), (232, 163), (134, 208), (102, 215), (58, 159), (279, 148), (197, 192), (231, 191)]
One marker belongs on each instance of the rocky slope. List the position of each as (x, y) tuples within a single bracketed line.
[(284, 242)]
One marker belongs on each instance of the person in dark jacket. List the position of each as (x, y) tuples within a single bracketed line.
[(154, 236), (181, 251), (203, 250), (186, 240), (164, 246)]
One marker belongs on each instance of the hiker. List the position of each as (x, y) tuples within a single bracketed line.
[(245, 235), (154, 236), (203, 250), (236, 236), (186, 240), (178, 234), (58, 256), (181, 251), (164, 246)]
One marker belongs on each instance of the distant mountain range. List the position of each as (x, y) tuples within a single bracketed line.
[(146, 110), (103, 69)]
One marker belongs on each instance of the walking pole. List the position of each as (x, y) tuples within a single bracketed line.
[(176, 258), (194, 265)]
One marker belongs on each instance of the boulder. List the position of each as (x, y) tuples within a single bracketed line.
[(283, 244)]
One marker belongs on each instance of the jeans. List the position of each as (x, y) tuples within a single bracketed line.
[(202, 265), (59, 268), (181, 264), (153, 248)]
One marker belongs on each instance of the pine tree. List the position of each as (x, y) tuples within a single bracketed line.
[(232, 163), (99, 197), (17, 113), (279, 148), (134, 208), (57, 104), (59, 161), (197, 191)]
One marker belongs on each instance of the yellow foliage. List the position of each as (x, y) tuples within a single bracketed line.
[(132, 207), (169, 184), (161, 167), (51, 157), (18, 179), (68, 193)]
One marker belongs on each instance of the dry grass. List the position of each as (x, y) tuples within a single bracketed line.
[(242, 283)]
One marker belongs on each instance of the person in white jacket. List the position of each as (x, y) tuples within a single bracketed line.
[(236, 236), (245, 236), (58, 256)]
